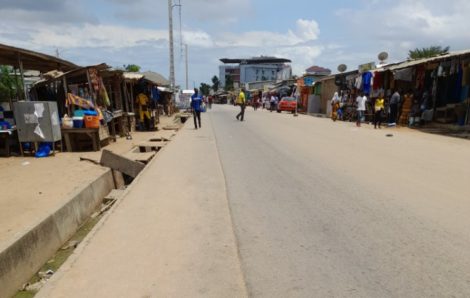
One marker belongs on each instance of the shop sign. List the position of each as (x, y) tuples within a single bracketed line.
[(367, 67)]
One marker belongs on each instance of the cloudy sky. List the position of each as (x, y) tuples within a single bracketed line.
[(309, 32)]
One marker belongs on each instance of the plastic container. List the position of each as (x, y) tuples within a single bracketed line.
[(67, 122), (77, 122), (92, 121), (90, 113), (79, 113)]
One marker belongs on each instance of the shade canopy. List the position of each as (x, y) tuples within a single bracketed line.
[(32, 60)]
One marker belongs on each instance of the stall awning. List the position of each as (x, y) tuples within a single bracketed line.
[(156, 78), (32, 60)]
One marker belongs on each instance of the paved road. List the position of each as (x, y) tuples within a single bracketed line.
[(278, 206), (324, 209)]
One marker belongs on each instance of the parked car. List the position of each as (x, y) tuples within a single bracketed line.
[(287, 104)]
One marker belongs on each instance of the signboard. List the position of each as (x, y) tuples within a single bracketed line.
[(308, 81), (367, 67)]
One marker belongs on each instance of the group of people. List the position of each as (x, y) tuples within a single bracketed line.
[(405, 110)]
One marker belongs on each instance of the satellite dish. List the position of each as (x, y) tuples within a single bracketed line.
[(342, 67), (383, 56)]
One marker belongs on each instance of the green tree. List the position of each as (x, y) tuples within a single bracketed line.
[(229, 84), (132, 68), (8, 84), (429, 52), (205, 89), (215, 83)]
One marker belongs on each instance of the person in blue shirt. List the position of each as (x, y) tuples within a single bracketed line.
[(196, 105)]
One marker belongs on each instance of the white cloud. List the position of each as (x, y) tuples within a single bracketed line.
[(308, 29)]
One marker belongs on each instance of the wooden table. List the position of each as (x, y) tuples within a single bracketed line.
[(92, 133)]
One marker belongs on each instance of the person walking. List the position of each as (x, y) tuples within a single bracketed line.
[(379, 107), (196, 105), (394, 102), (361, 108), (335, 106), (241, 101)]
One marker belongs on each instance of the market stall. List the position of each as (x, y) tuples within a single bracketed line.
[(83, 103)]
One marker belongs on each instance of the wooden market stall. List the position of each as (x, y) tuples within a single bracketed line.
[(22, 60), (82, 99)]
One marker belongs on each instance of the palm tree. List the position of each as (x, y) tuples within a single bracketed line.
[(429, 52)]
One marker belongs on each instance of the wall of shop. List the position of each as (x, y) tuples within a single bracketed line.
[(328, 89)]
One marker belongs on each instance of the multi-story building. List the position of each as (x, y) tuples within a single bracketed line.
[(257, 69)]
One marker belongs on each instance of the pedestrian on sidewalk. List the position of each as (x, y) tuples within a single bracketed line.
[(361, 108), (196, 105), (335, 106), (379, 107), (241, 101), (394, 102)]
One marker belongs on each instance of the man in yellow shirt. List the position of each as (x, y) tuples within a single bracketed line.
[(379, 108), (142, 102), (241, 101)]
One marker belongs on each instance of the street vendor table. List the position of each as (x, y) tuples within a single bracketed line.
[(117, 122), (92, 133), (8, 138)]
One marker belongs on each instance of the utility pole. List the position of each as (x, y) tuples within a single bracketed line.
[(187, 71), (172, 55)]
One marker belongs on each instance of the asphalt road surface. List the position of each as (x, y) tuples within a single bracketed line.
[(323, 209)]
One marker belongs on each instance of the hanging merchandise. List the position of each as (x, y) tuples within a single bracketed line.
[(104, 94), (358, 83), (366, 82), (378, 80), (78, 101), (95, 79), (420, 77)]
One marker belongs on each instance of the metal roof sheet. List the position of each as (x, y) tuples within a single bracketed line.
[(33, 60)]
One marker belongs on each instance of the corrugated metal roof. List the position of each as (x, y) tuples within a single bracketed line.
[(132, 76), (156, 78), (410, 63), (33, 60)]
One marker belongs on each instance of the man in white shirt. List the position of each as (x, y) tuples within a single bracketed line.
[(361, 108)]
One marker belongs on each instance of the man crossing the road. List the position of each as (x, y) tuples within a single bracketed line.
[(241, 101)]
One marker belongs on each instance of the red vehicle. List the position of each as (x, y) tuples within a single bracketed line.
[(287, 104)]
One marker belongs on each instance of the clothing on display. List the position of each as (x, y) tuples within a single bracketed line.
[(366, 82)]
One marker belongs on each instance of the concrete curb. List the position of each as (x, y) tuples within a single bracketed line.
[(25, 256)]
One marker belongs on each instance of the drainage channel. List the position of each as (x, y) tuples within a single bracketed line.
[(143, 153)]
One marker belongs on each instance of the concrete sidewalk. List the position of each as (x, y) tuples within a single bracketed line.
[(170, 236)]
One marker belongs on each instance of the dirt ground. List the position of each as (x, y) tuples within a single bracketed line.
[(32, 188)]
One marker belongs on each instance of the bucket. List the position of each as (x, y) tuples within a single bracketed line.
[(77, 122), (92, 121)]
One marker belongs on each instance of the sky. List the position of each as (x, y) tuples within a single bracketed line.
[(308, 32)]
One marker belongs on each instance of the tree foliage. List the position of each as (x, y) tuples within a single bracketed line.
[(8, 83), (132, 68), (428, 52), (205, 89), (215, 83), (229, 84)]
